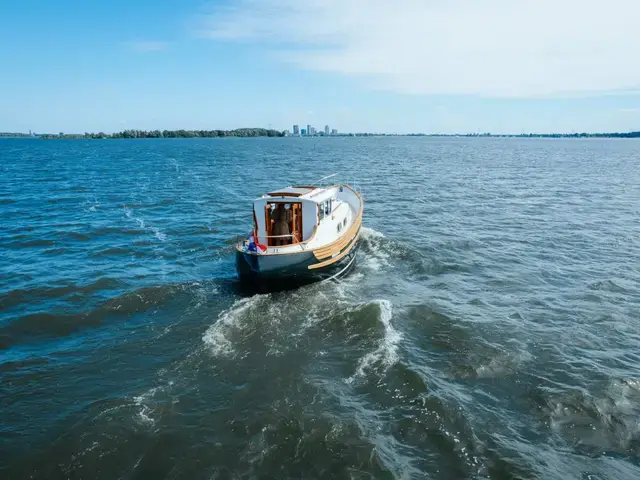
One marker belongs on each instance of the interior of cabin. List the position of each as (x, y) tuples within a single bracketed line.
[(284, 223)]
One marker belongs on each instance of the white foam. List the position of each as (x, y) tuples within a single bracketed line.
[(344, 287), (143, 414), (310, 321), (159, 235), (141, 223), (374, 263), (387, 352), (376, 257), (217, 335), (371, 233), (145, 410), (202, 293)]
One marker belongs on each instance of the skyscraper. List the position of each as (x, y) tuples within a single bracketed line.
[(296, 130), (308, 129), (326, 130)]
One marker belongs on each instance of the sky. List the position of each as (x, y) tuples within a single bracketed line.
[(395, 66)]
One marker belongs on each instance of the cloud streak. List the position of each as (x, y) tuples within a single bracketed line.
[(495, 48)]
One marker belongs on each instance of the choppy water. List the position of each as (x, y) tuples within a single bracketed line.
[(490, 328)]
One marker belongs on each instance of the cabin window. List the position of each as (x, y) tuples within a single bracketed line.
[(327, 207), (284, 223), (324, 209), (344, 222)]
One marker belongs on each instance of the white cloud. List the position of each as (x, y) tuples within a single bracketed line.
[(148, 46), (503, 48)]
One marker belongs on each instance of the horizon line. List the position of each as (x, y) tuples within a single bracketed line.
[(287, 132)]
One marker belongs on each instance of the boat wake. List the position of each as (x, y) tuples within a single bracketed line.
[(281, 317), (219, 336), (376, 248), (386, 354), (146, 406)]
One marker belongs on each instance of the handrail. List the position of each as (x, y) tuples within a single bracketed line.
[(324, 178), (250, 233), (242, 239)]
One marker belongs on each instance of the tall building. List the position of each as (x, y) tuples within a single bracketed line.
[(296, 130), (304, 132), (334, 132), (326, 129), (309, 130)]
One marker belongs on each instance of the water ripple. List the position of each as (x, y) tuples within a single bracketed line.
[(489, 329)]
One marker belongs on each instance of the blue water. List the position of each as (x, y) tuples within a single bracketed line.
[(489, 329)]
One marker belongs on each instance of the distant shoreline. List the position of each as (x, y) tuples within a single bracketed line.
[(262, 132), (239, 132)]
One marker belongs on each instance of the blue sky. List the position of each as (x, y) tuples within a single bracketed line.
[(357, 65)]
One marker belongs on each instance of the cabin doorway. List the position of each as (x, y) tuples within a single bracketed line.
[(284, 223)]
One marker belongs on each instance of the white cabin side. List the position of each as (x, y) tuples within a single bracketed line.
[(338, 208), (260, 225), (309, 218)]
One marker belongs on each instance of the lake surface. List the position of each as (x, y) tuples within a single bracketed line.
[(489, 329)]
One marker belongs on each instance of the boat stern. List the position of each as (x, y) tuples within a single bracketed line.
[(263, 266)]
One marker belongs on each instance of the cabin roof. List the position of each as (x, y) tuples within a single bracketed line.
[(291, 192), (303, 192)]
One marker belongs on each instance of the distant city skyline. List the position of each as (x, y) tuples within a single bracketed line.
[(311, 130), (404, 66)]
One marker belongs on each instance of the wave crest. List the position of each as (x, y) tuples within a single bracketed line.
[(386, 354)]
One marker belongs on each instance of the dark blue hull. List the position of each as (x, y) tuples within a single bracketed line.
[(292, 269)]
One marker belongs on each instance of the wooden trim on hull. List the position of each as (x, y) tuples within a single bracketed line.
[(338, 257)]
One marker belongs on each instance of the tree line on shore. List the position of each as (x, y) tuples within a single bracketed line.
[(558, 135), (263, 132), (239, 132)]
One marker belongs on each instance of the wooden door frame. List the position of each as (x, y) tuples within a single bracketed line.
[(293, 229)]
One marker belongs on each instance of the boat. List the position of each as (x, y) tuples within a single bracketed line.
[(301, 233)]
